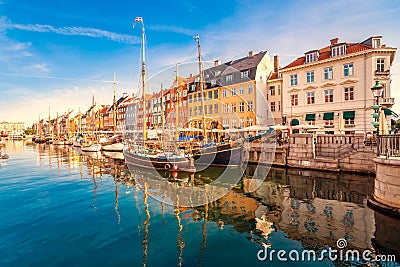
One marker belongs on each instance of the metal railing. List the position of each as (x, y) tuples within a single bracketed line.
[(388, 145)]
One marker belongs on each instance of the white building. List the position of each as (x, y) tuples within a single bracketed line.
[(331, 83)]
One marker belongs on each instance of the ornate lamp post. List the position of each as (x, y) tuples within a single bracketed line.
[(377, 92)]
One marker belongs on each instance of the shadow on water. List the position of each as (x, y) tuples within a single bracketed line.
[(312, 208)]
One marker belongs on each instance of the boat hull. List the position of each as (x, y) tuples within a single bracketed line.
[(221, 155), (159, 162), (91, 148), (116, 147)]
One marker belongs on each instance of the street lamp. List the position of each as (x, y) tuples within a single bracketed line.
[(377, 90)]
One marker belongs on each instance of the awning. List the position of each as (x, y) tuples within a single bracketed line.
[(349, 114), (387, 111), (310, 117), (328, 116), (295, 122)]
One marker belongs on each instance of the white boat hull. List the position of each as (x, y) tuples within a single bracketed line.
[(91, 148), (116, 147)]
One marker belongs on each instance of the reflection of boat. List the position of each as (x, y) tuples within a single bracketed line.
[(92, 145), (141, 155)]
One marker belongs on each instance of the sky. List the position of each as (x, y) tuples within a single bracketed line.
[(57, 54)]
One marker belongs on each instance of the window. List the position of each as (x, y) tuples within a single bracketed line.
[(250, 121), (272, 106), (328, 73), (250, 89), (279, 89), (225, 108), (348, 69), (241, 123), (338, 50), (293, 79), (229, 78), (348, 117), (194, 111), (195, 98), (241, 106), (210, 109), (233, 123), (225, 122), (250, 106), (234, 107), (184, 93), (210, 95), (233, 90), (217, 73), (279, 105), (200, 110), (310, 98), (310, 76), (168, 106), (168, 96), (244, 74), (224, 93), (272, 90), (216, 94), (241, 90), (348, 93), (311, 57), (349, 121), (328, 122), (328, 96), (294, 100), (380, 64), (213, 82), (376, 43), (216, 108)]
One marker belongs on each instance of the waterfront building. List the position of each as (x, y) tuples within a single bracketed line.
[(177, 97), (234, 92), (121, 112), (274, 92), (11, 127), (330, 87), (109, 114)]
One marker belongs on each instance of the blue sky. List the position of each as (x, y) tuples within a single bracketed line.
[(57, 53)]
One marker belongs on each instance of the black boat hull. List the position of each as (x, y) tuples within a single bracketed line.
[(221, 155)]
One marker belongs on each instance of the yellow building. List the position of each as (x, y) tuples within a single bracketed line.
[(234, 92)]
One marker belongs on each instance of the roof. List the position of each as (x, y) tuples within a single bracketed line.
[(325, 53)]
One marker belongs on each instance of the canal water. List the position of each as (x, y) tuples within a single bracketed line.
[(60, 207)]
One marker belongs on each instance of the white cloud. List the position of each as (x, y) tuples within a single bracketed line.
[(6, 24), (171, 28)]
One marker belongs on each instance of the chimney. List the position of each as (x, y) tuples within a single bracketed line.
[(217, 62), (334, 41), (251, 53), (276, 63)]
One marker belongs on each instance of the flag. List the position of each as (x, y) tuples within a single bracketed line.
[(139, 19)]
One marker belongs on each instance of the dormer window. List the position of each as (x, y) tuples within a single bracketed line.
[(312, 56), (338, 50), (217, 73), (376, 42)]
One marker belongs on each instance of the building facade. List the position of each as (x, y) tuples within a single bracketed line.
[(11, 127), (330, 87)]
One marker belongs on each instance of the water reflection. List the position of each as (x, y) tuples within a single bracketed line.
[(312, 208)]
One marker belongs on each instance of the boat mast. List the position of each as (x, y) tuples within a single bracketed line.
[(177, 108), (162, 109), (91, 119), (58, 128), (115, 106), (140, 19), (48, 126), (203, 123)]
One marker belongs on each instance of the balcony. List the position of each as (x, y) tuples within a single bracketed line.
[(382, 72), (386, 101)]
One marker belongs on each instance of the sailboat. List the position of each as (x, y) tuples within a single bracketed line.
[(114, 144), (91, 145), (138, 153), (213, 154), (58, 140), (78, 139)]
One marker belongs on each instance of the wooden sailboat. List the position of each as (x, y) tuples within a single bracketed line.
[(114, 144), (91, 145), (138, 154), (213, 154)]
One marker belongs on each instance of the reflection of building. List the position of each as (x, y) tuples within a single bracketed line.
[(12, 127), (321, 207), (333, 83)]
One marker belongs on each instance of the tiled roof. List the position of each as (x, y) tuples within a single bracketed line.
[(325, 53)]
